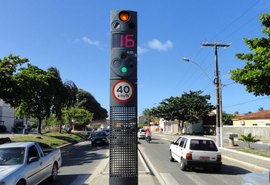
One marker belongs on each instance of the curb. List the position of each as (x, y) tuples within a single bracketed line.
[(151, 166)]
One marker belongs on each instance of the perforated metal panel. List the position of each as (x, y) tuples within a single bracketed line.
[(123, 142)]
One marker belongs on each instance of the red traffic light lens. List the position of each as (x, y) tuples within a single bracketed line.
[(124, 16)]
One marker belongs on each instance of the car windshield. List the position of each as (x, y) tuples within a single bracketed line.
[(11, 156), (99, 134), (205, 145)]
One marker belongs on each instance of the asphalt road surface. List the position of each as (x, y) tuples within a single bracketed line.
[(79, 163), (157, 153)]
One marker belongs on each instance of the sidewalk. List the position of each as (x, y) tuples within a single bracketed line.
[(145, 176)]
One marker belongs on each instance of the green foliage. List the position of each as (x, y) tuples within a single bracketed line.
[(76, 115), (189, 107), (255, 74), (87, 101), (248, 139), (227, 119), (9, 91), (148, 116)]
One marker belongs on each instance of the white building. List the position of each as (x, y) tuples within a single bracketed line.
[(7, 115)]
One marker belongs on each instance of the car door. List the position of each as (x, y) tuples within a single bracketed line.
[(181, 149), (175, 147), (33, 171)]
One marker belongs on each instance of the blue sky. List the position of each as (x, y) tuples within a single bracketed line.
[(74, 37)]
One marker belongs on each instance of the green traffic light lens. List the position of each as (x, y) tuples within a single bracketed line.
[(123, 69)]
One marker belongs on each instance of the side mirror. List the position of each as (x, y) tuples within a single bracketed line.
[(32, 159)]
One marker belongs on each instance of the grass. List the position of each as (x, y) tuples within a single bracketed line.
[(262, 153), (53, 139)]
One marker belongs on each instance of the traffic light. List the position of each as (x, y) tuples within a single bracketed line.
[(123, 45)]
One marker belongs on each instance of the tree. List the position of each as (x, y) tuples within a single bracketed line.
[(189, 107), (76, 115), (87, 101), (260, 109), (227, 119), (196, 106), (63, 94), (255, 74), (33, 83), (148, 116), (8, 86), (248, 139)]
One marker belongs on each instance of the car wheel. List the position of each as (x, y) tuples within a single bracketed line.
[(171, 157), (183, 166), (21, 182), (54, 172)]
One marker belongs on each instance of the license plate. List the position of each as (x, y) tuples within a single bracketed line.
[(204, 158), (98, 142)]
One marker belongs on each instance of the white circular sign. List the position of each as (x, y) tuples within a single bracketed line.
[(123, 91)]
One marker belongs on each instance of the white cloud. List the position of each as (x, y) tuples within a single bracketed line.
[(91, 42), (142, 50), (157, 45)]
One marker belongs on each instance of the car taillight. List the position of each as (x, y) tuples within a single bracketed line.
[(189, 156), (218, 157)]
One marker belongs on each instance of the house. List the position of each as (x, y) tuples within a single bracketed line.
[(261, 118), (7, 115)]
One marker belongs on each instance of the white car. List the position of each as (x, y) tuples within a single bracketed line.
[(257, 178), (141, 133), (195, 151)]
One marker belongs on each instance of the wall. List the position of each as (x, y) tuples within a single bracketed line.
[(252, 122), (262, 133), (7, 114)]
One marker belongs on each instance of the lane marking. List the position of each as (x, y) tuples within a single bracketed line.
[(168, 178), (197, 180)]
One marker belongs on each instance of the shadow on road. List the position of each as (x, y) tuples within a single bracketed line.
[(225, 170), (75, 155)]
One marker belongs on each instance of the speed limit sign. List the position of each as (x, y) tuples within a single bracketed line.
[(123, 91)]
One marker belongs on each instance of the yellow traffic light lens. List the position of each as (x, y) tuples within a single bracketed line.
[(124, 16)]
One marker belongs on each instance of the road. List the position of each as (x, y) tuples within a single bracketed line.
[(157, 153), (79, 163)]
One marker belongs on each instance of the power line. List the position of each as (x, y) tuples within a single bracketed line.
[(246, 102), (237, 18)]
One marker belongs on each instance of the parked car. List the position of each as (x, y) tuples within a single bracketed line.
[(256, 178), (141, 133), (98, 138), (195, 152), (24, 163)]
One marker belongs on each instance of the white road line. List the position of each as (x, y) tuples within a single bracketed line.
[(168, 178), (197, 180)]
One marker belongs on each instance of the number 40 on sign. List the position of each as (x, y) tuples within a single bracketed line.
[(123, 91)]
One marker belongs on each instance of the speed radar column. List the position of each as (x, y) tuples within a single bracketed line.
[(123, 98)]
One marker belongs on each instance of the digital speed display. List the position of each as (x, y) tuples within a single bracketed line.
[(123, 40)]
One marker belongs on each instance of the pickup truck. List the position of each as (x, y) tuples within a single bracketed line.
[(26, 163)]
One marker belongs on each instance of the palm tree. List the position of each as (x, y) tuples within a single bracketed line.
[(248, 139)]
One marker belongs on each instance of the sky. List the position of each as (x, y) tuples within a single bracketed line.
[(74, 37)]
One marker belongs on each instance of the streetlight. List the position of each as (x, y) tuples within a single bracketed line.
[(219, 137), (188, 60)]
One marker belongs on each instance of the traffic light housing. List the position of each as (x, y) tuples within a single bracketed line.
[(123, 44)]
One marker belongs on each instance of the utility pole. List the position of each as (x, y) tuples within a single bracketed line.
[(218, 91)]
